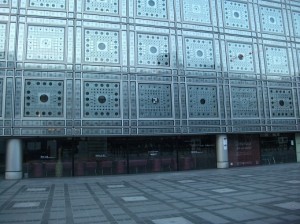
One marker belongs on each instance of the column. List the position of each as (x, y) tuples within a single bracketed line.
[(297, 138), (222, 152), (13, 167)]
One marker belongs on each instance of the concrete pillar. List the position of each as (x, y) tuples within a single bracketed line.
[(222, 152), (297, 138), (13, 167)]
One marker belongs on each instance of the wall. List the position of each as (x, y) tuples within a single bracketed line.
[(72, 68), (243, 150)]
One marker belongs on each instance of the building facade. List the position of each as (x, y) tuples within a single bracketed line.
[(94, 87)]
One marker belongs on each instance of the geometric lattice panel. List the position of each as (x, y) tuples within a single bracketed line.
[(153, 50), (202, 101), (2, 40), (196, 11), (152, 8), (155, 100), (281, 101), (101, 99), (296, 23), (244, 102), (277, 60), (45, 43), (101, 46), (1, 96), (43, 98), (55, 4), (102, 6), (107, 6), (240, 57), (298, 55), (199, 53), (236, 15), (271, 19)]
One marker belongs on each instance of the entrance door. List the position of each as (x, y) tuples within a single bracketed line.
[(277, 148)]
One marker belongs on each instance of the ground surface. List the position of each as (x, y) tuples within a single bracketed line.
[(260, 194)]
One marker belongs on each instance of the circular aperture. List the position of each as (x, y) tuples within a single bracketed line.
[(102, 99), (236, 14), (281, 102), (199, 53), (240, 56), (153, 50), (272, 20), (202, 101), (155, 100), (101, 46), (44, 98), (151, 3)]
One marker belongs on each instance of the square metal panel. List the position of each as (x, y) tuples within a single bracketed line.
[(276, 60), (196, 11), (236, 15), (101, 99), (202, 101), (298, 55), (43, 98), (102, 6), (45, 43), (153, 50), (152, 8), (199, 53), (244, 102), (296, 23), (281, 102), (271, 20), (155, 100), (54, 4), (1, 96), (101, 46), (240, 57), (2, 40)]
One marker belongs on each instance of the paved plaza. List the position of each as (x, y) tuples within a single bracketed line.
[(250, 195)]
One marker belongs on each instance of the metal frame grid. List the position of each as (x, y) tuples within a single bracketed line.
[(237, 73)]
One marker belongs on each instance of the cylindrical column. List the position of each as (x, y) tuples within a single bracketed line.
[(222, 151), (13, 167), (297, 138)]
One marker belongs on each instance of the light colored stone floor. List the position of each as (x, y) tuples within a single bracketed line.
[(248, 195)]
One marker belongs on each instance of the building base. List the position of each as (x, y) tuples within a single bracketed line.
[(13, 175), (222, 165)]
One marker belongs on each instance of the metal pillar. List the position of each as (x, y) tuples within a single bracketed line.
[(13, 167), (297, 138), (222, 152)]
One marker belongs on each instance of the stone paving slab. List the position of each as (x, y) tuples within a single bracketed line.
[(248, 195)]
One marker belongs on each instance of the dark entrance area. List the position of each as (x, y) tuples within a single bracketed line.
[(119, 155), (277, 148), (243, 150)]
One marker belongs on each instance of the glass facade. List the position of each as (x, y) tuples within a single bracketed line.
[(134, 69), (102, 156)]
